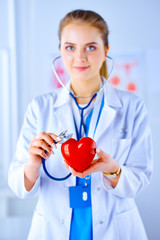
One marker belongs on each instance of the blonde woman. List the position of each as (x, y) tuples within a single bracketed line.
[(116, 120)]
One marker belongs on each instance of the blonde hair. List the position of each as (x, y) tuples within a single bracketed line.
[(94, 20)]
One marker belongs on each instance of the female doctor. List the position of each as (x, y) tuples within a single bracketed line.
[(118, 123)]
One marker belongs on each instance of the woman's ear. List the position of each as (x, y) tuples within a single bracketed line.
[(106, 50)]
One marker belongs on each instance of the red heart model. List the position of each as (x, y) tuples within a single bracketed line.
[(79, 154)]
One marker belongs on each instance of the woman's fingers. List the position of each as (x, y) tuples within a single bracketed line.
[(109, 163), (49, 138), (42, 146), (101, 153), (38, 152), (47, 141), (39, 143), (104, 163), (73, 171)]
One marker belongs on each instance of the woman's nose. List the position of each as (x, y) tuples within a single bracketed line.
[(81, 56)]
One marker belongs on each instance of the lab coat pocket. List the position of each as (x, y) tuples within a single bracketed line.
[(134, 228), (37, 226), (120, 149)]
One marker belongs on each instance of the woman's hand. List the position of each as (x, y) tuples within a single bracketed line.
[(43, 142), (105, 163), (42, 147)]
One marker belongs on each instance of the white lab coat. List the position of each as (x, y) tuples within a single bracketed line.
[(123, 132)]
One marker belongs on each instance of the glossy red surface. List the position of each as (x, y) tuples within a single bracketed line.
[(79, 154)]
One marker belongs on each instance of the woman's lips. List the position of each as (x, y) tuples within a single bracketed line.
[(81, 68)]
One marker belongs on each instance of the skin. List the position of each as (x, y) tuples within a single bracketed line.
[(83, 53), (82, 46), (101, 164), (38, 145)]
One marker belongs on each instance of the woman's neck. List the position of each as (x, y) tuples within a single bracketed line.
[(85, 89)]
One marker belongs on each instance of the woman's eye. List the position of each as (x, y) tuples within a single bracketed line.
[(91, 48), (69, 48)]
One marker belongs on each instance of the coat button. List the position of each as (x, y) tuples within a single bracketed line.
[(98, 189), (101, 222)]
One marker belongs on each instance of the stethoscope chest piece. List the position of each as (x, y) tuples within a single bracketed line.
[(65, 137)]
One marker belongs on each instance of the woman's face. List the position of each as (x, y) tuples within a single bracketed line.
[(82, 50)]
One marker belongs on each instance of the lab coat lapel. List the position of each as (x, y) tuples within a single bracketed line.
[(65, 116), (63, 111), (111, 105), (105, 120)]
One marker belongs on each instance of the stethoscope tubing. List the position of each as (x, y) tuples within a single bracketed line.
[(63, 85), (50, 176), (74, 97)]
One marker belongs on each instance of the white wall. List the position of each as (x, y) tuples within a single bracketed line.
[(134, 26)]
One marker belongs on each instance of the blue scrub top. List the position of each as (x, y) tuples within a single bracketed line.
[(81, 222)]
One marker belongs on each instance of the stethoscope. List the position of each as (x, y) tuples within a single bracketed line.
[(68, 90), (64, 135)]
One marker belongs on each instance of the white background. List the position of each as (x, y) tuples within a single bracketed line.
[(28, 40)]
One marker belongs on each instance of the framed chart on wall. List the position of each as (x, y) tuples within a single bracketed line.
[(128, 72)]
